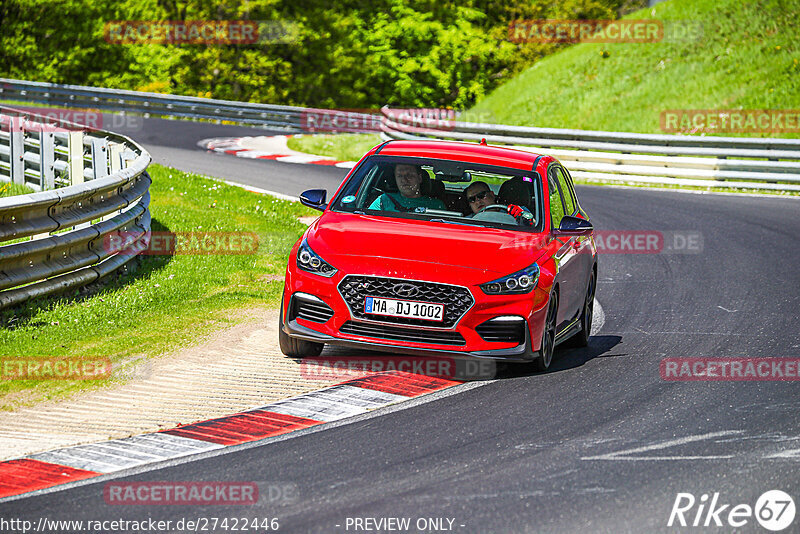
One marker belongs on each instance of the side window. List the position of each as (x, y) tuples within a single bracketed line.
[(566, 191), (556, 207)]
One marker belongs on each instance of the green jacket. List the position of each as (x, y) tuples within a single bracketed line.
[(384, 202)]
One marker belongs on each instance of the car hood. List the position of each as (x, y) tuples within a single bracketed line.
[(347, 240)]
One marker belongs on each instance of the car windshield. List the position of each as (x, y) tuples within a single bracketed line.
[(444, 191)]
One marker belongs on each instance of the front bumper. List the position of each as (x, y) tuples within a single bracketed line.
[(520, 353), (531, 307)]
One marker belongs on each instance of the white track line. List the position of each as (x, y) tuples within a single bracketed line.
[(625, 454)]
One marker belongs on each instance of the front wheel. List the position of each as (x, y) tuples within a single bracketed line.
[(293, 347), (545, 356)]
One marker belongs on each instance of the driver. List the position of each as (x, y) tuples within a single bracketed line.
[(409, 184), (479, 196)]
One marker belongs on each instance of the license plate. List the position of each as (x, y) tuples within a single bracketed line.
[(404, 308)]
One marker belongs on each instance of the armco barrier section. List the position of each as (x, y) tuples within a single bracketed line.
[(750, 163), (683, 160), (288, 119), (87, 185)]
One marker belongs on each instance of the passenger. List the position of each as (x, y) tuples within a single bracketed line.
[(479, 195), (409, 180)]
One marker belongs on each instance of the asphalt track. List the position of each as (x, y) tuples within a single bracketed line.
[(599, 444), (174, 143)]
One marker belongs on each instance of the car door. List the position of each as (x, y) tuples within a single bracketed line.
[(565, 256), (582, 244)]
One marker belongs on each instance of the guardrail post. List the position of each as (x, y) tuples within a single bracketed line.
[(127, 157), (115, 156), (100, 158), (47, 159), (115, 161), (17, 147), (75, 158)]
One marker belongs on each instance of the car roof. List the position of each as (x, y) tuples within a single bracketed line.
[(467, 152)]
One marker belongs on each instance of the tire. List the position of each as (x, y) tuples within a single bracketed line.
[(581, 339), (545, 357), (293, 347)]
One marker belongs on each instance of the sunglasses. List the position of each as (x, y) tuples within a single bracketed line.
[(478, 196)]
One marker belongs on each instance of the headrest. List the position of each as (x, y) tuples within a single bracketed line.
[(517, 190)]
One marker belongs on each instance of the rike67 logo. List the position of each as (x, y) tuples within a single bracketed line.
[(774, 510)]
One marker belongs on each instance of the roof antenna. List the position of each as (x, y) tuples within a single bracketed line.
[(483, 141)]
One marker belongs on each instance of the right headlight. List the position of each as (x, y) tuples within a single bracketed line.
[(310, 261), (514, 284)]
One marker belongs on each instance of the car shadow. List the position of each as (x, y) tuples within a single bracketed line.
[(346, 363), (566, 358)]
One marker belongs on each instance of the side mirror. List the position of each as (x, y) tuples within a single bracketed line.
[(314, 198), (575, 226)]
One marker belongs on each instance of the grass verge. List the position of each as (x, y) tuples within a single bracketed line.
[(701, 189), (167, 301), (748, 57), (343, 147), (8, 189)]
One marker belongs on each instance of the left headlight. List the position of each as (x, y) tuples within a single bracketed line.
[(514, 284), (308, 260)]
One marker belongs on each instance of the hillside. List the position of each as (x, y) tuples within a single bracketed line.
[(748, 58)]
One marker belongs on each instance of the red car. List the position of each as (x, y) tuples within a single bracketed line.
[(444, 249)]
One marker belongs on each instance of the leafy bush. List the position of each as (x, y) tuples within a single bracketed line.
[(357, 54)]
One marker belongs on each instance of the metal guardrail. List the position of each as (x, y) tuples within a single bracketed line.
[(90, 185), (288, 119), (755, 163), (763, 163)]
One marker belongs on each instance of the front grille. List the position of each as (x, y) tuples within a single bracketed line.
[(505, 331), (398, 333), (456, 299), (310, 310)]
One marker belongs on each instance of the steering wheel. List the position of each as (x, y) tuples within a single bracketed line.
[(503, 208), (493, 207)]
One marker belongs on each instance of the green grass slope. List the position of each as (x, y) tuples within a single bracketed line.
[(169, 301), (748, 58)]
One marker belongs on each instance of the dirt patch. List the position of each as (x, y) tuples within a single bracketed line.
[(235, 369)]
